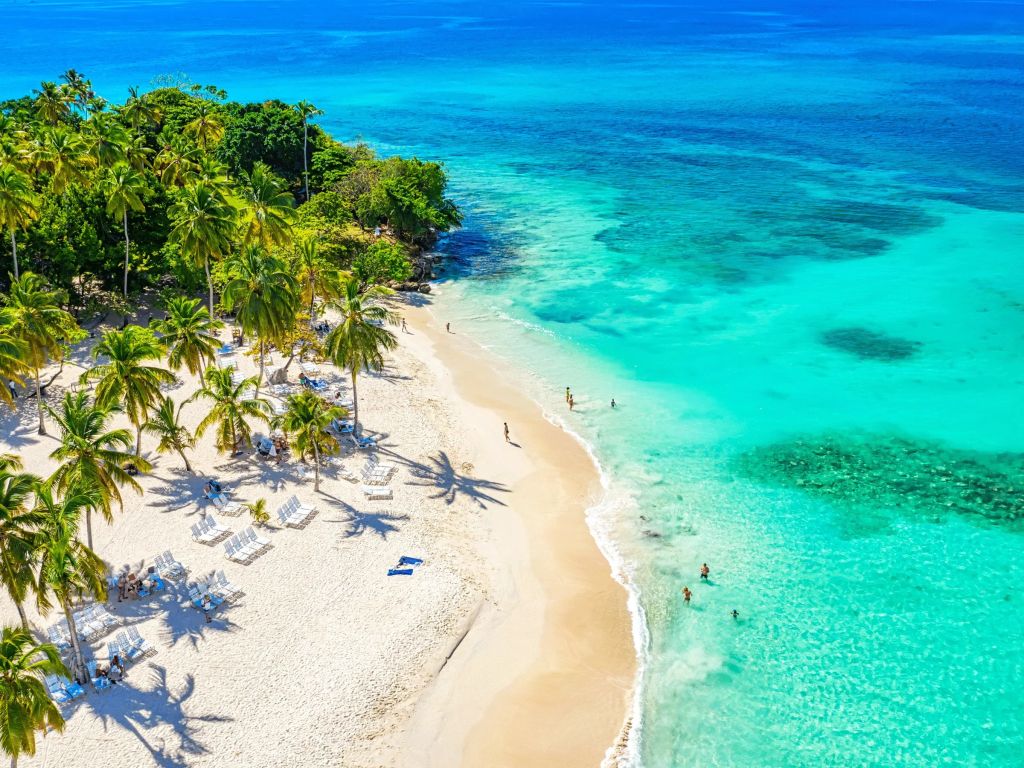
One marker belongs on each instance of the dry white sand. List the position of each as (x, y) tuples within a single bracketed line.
[(325, 657)]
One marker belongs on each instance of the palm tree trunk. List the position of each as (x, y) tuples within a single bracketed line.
[(312, 300), (316, 468), (126, 253), (188, 467), (39, 404), (88, 526), (14, 253), (209, 285), (138, 440), (355, 406), (78, 669), (263, 348), (12, 587), (305, 156)]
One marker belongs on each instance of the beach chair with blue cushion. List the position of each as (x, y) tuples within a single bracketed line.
[(99, 682)]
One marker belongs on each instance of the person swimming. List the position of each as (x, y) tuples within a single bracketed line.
[(735, 613)]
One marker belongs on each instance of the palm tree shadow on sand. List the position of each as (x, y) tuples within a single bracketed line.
[(358, 523), (439, 472), (139, 711)]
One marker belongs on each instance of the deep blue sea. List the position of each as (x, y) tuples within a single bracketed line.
[(788, 239)]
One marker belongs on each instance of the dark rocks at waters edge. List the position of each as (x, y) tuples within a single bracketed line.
[(870, 345), (897, 474), (412, 287)]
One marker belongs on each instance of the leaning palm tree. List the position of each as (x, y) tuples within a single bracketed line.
[(231, 410), (125, 378), (359, 341), (123, 187), (68, 569), (268, 207), (19, 523), (264, 295), (19, 205), (315, 274), (174, 436), (306, 111), (306, 420), (92, 456), (25, 704), (189, 334), (203, 226), (139, 112), (34, 318)]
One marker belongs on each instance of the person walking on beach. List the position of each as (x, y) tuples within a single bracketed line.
[(687, 594), (507, 438), (404, 328), (448, 327), (704, 572)]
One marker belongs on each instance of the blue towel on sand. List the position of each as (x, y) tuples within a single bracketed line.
[(399, 571), (410, 561)]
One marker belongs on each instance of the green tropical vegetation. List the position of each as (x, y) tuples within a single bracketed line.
[(25, 705), (217, 208)]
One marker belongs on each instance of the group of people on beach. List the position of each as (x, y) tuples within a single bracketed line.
[(705, 574), (571, 400), (129, 584)]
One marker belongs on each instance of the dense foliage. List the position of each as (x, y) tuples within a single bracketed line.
[(91, 192)]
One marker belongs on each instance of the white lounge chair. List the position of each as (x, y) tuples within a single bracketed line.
[(376, 492)]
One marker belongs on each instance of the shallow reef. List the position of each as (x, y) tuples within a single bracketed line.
[(894, 472), (870, 345)]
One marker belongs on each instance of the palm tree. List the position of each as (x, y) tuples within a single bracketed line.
[(19, 205), (231, 408), (263, 294), (316, 276), (307, 420), (203, 225), (268, 207), (177, 159), (34, 317), (18, 525), (189, 334), (68, 569), (25, 704), (123, 186), (358, 342), (207, 128), (139, 112), (51, 103), (125, 378), (91, 456), (106, 138), (174, 436), (306, 111), (60, 152), (78, 90), (257, 509), (12, 362)]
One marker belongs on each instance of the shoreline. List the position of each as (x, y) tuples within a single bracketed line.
[(510, 693)]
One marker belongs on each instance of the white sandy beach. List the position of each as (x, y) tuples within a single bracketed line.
[(510, 645)]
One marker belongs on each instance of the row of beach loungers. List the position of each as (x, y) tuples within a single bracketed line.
[(209, 531), (245, 546), (294, 514)]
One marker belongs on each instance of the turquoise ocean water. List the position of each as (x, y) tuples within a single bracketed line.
[(788, 240)]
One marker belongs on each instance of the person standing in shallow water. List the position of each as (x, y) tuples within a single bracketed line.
[(572, 403), (568, 394), (687, 594), (704, 572), (613, 402)]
